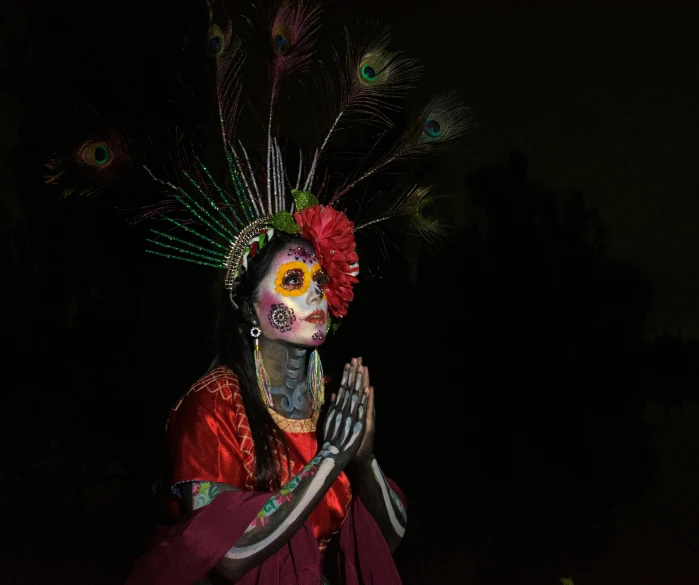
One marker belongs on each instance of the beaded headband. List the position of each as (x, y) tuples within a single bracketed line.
[(251, 239)]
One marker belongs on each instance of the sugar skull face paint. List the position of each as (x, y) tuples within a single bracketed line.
[(281, 317), (291, 304)]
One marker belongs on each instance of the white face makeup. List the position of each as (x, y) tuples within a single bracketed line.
[(292, 305)]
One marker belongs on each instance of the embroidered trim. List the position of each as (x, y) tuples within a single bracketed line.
[(247, 445), (295, 425), (223, 380), (209, 380)]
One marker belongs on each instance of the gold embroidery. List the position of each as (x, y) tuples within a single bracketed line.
[(213, 376), (295, 425), (218, 379)]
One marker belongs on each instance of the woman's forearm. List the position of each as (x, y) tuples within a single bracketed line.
[(279, 519), (382, 502), (289, 507)]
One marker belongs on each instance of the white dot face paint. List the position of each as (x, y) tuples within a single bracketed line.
[(292, 305)]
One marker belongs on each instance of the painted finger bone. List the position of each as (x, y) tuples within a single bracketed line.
[(345, 374), (356, 432), (328, 420), (355, 399), (346, 399), (338, 418), (340, 395), (346, 430), (352, 376)]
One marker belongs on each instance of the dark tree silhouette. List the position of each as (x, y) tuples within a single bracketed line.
[(526, 338), (671, 369)]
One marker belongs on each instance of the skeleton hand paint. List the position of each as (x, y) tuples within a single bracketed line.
[(366, 475), (345, 424), (365, 453), (290, 506)]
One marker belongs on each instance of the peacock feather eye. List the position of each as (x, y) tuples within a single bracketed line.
[(433, 128), (95, 154), (280, 44), (216, 40), (368, 73), (101, 155), (372, 68), (281, 40), (443, 118)]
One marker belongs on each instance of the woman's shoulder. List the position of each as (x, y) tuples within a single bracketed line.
[(219, 382), (220, 379), (208, 432)]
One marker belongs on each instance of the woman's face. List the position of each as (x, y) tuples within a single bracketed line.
[(292, 306)]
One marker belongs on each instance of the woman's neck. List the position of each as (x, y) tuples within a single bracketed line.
[(286, 369)]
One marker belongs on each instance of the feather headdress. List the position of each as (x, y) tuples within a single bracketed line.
[(220, 213)]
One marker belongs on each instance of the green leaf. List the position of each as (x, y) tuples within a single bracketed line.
[(304, 199), (284, 221), (331, 325)]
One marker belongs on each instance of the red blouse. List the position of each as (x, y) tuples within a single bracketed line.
[(210, 440)]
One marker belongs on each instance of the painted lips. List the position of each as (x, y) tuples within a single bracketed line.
[(316, 317)]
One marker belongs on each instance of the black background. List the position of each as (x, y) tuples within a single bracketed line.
[(536, 399)]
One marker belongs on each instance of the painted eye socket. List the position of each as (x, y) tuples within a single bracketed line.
[(320, 278), (292, 279)]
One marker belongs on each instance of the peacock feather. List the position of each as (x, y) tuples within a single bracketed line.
[(206, 189)]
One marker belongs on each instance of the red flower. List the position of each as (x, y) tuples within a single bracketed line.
[(332, 235)]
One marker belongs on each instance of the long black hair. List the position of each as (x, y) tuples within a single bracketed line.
[(234, 348)]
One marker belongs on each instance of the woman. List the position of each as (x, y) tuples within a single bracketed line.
[(270, 483), (224, 438)]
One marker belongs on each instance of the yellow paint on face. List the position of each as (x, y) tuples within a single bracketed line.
[(293, 278)]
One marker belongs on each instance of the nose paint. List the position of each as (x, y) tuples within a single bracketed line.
[(292, 306)]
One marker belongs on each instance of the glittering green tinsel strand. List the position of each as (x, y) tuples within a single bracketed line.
[(212, 203), (196, 233), (181, 241), (225, 197), (200, 218), (240, 188), (241, 191), (183, 251), (185, 259)]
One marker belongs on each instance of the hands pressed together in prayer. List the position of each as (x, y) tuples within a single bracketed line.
[(349, 425), (349, 429)]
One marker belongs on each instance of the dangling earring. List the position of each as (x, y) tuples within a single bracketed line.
[(262, 378), (315, 383)]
